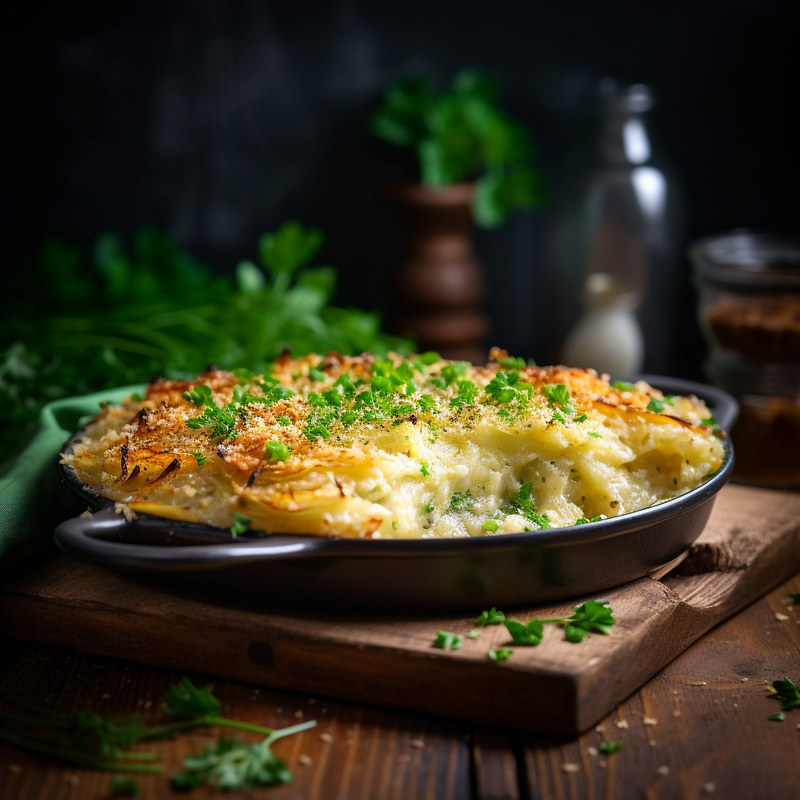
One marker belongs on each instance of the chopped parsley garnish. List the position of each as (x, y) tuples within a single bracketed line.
[(428, 509), (584, 521), (490, 617), (580, 418), (523, 504), (512, 363), (424, 469), (593, 616), (448, 641), (525, 633), (221, 421), (277, 451), (199, 458), (655, 405), (609, 747), (315, 374), (474, 633), (778, 716), (426, 359), (708, 421), (795, 597), (501, 654), (557, 393), (623, 386), (283, 420), (467, 392), (200, 395), (490, 526), (241, 524), (136, 397), (788, 693), (461, 501), (594, 434), (426, 403)]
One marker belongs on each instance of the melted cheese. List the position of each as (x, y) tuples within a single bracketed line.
[(602, 453)]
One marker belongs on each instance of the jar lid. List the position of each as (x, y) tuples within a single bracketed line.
[(749, 259)]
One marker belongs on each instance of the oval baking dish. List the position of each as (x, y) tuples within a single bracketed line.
[(408, 574)]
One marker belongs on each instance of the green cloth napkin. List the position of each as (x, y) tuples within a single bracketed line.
[(32, 499)]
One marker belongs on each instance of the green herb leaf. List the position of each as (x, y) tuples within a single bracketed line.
[(424, 469), (655, 405), (200, 395), (593, 615), (199, 458), (557, 393), (609, 747), (187, 700), (490, 526), (428, 358), (523, 504), (490, 617), (623, 386), (512, 363), (795, 598), (474, 633), (778, 716), (788, 693), (448, 641), (461, 501), (292, 246), (232, 765), (584, 521), (529, 634), (500, 654), (315, 374), (277, 451), (241, 524)]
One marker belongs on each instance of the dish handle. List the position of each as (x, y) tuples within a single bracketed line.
[(93, 538)]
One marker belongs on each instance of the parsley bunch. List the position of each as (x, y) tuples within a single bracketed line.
[(124, 314), (462, 135)]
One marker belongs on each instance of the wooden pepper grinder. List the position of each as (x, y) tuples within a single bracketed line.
[(438, 286)]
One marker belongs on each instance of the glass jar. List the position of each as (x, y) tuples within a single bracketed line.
[(749, 287)]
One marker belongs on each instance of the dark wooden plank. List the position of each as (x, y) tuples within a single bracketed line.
[(712, 736), (751, 543), (352, 753)]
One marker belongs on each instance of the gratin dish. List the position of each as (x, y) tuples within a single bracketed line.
[(406, 575)]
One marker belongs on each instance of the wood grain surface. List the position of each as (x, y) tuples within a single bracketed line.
[(711, 737), (752, 542)]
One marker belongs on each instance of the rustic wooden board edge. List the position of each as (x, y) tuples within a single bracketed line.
[(723, 572)]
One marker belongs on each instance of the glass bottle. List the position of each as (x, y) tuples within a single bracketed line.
[(615, 227)]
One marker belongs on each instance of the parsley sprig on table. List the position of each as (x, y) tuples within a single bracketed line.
[(85, 739), (789, 695), (593, 616)]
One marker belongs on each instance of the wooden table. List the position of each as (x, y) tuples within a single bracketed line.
[(698, 729)]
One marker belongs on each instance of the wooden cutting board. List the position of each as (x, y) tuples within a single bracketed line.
[(752, 543)]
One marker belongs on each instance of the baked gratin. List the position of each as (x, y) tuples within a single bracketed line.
[(396, 447)]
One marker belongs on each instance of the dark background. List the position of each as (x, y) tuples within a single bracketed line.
[(219, 120)]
